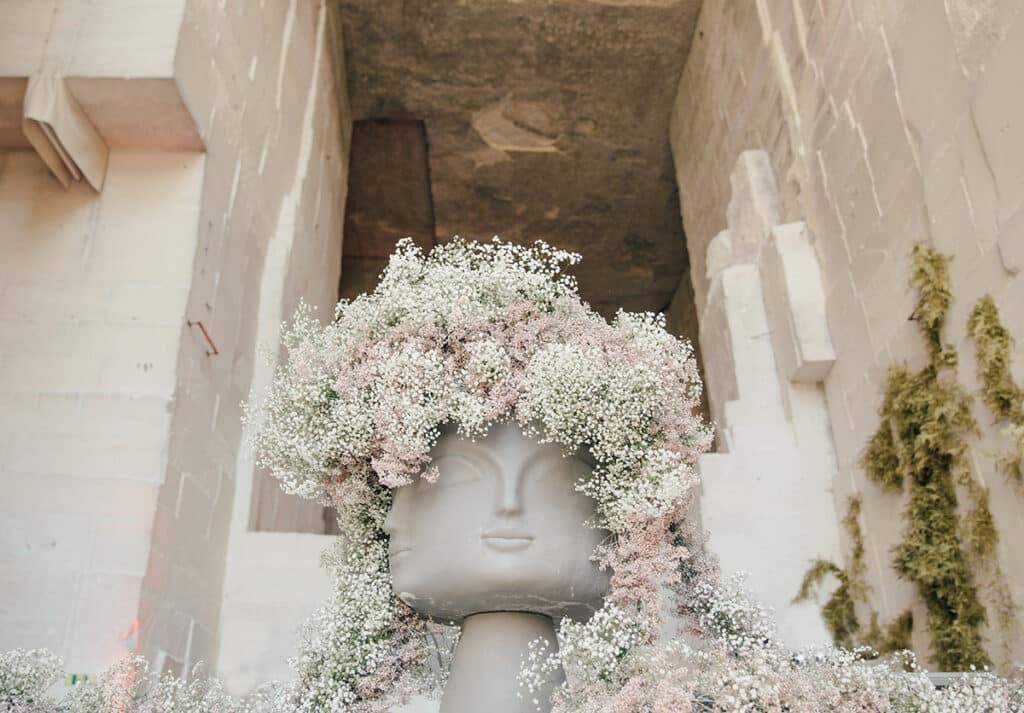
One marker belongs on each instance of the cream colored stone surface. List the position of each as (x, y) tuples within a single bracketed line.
[(259, 623), (92, 296), (61, 133), (271, 111), (765, 495), (765, 498), (272, 584), (124, 490), (119, 432), (80, 38), (118, 60), (795, 304), (884, 123)]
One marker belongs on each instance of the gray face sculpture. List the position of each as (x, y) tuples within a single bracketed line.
[(502, 529)]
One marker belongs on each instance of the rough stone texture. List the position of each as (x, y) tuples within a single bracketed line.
[(389, 189), (544, 120), (753, 209), (885, 123), (388, 199), (795, 304)]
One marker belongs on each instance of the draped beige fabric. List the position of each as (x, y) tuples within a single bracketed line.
[(62, 134)]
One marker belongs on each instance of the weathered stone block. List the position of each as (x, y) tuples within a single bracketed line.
[(795, 304), (754, 206), (719, 255)]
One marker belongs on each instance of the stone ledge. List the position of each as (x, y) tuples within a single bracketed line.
[(137, 114), (118, 65), (795, 304)]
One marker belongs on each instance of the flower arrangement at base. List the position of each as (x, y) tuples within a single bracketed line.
[(733, 662), (739, 666)]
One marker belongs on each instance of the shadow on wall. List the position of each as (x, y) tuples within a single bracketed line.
[(388, 198)]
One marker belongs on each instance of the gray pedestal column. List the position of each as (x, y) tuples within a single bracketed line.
[(487, 661)]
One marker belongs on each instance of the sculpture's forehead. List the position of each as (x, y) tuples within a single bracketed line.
[(506, 447)]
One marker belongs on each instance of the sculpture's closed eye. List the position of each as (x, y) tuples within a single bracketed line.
[(457, 469), (547, 460)]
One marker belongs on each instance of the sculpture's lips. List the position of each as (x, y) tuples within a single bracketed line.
[(397, 550), (507, 539)]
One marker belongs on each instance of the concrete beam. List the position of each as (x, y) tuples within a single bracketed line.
[(119, 68)]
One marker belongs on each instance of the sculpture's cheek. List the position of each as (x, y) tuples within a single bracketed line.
[(538, 579)]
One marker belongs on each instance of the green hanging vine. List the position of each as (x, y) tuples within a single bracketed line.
[(921, 445), (894, 636), (839, 611), (1004, 398)]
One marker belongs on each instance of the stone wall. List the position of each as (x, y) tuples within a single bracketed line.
[(264, 91), (769, 349), (273, 578), (885, 123), (120, 429), (92, 301)]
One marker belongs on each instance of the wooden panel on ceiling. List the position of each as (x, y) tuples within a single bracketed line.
[(389, 194)]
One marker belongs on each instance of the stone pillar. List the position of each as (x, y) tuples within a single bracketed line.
[(766, 495)]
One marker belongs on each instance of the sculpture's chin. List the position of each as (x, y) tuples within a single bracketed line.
[(453, 599), (444, 609)]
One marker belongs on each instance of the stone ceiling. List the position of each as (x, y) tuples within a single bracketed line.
[(544, 119)]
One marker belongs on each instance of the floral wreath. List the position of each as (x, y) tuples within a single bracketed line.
[(474, 334)]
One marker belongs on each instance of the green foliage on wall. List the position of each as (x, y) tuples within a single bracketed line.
[(1005, 399), (894, 636), (839, 611), (930, 277), (1013, 462), (992, 348), (856, 570), (1002, 395), (921, 446)]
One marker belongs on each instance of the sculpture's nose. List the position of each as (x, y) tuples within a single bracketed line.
[(509, 502)]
